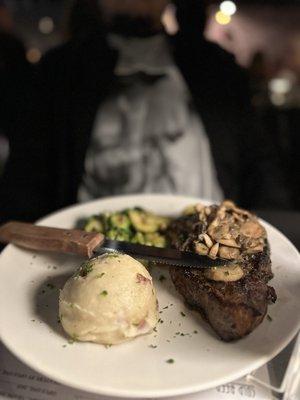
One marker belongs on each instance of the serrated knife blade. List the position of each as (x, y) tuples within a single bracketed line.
[(157, 255)]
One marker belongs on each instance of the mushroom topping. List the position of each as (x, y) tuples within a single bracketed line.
[(219, 230), (229, 253), (228, 273), (207, 210), (201, 249), (252, 229), (199, 207), (229, 243), (256, 249), (229, 204), (209, 243), (229, 234), (214, 251)]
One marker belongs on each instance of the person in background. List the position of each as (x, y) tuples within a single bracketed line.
[(125, 108)]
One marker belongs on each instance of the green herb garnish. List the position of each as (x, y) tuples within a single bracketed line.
[(100, 275), (104, 293), (269, 317), (112, 255), (182, 313), (85, 269), (152, 346), (170, 361)]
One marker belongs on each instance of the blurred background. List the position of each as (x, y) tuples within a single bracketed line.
[(263, 36)]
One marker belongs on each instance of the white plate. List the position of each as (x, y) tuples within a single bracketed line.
[(29, 327)]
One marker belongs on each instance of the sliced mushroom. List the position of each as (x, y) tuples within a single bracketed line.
[(219, 230), (199, 207), (256, 249), (242, 211), (229, 253), (239, 217), (222, 212), (209, 243), (229, 243), (229, 204), (214, 251), (228, 273), (201, 249), (252, 229)]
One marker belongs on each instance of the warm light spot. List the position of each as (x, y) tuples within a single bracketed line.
[(169, 20), (33, 55), (228, 7), (278, 99), (280, 85), (46, 25), (222, 19)]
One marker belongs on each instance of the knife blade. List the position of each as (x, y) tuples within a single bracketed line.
[(157, 255)]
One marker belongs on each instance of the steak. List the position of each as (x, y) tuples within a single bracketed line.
[(233, 299)]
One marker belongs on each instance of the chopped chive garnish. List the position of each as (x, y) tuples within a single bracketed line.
[(170, 361)]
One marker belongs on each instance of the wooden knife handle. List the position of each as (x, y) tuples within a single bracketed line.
[(33, 237)]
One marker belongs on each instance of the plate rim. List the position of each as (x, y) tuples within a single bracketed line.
[(161, 393)]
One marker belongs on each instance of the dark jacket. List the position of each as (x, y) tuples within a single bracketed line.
[(46, 164)]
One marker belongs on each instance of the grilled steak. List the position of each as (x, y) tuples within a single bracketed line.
[(234, 298)]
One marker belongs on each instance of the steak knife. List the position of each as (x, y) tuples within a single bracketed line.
[(92, 244)]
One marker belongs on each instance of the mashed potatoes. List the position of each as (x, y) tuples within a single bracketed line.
[(110, 300)]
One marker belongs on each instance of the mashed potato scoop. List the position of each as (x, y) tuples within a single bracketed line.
[(109, 300)]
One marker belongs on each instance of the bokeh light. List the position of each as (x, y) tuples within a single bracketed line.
[(46, 25), (33, 55), (222, 18), (228, 8)]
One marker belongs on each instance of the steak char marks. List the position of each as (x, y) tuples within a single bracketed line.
[(233, 299)]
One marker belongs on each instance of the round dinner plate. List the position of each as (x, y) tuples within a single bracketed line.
[(30, 329)]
